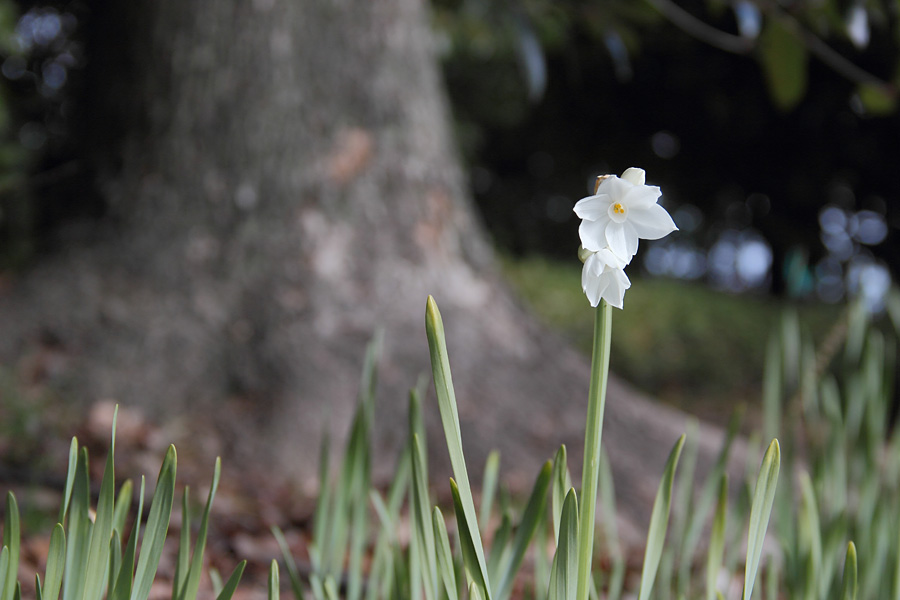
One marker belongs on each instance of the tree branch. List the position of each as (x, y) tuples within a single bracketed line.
[(741, 45), (825, 53), (703, 31)]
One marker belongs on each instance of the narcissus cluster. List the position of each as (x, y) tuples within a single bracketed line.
[(621, 211)]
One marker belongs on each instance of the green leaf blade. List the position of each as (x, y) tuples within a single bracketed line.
[(659, 521), (157, 527), (443, 384), (760, 510), (531, 519), (274, 581), (564, 572), (101, 532), (289, 563), (444, 555), (561, 485), (11, 541), (56, 563), (716, 549), (474, 571), (192, 582), (849, 586), (230, 586)]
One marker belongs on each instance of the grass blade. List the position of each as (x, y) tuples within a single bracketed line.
[(387, 556), (123, 505), (115, 560), (531, 519), (848, 590), (70, 482), (79, 532), (98, 555), (760, 510), (564, 572), (358, 508), (334, 546), (183, 558), (11, 541), (500, 546), (443, 385), (122, 588), (444, 555), (562, 482), (489, 485), (381, 573), (56, 563), (811, 533), (4, 566), (324, 505), (359, 526), (316, 586), (415, 564), (474, 571), (717, 539), (608, 514), (541, 563), (659, 520), (274, 582), (475, 592), (231, 585), (710, 486), (331, 592), (422, 524), (192, 583), (156, 528), (215, 578), (289, 563), (772, 578)]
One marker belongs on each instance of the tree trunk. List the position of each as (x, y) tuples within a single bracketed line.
[(281, 182)]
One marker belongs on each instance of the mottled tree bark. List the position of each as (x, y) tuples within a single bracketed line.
[(281, 183)]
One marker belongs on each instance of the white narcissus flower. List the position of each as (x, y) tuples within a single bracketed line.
[(603, 276), (622, 210)]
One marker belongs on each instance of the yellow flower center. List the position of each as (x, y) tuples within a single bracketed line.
[(618, 208)]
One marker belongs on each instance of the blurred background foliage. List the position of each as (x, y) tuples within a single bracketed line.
[(771, 126), (688, 345), (44, 184)]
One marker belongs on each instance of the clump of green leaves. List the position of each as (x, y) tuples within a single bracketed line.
[(480, 553), (93, 556), (834, 409), (834, 420)]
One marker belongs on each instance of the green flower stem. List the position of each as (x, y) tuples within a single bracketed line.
[(591, 469)]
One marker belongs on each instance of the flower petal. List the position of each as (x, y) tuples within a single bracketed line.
[(593, 282), (617, 189), (652, 222), (642, 196), (610, 260), (593, 234), (593, 208), (617, 239), (618, 282), (631, 237), (634, 176), (605, 182)]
